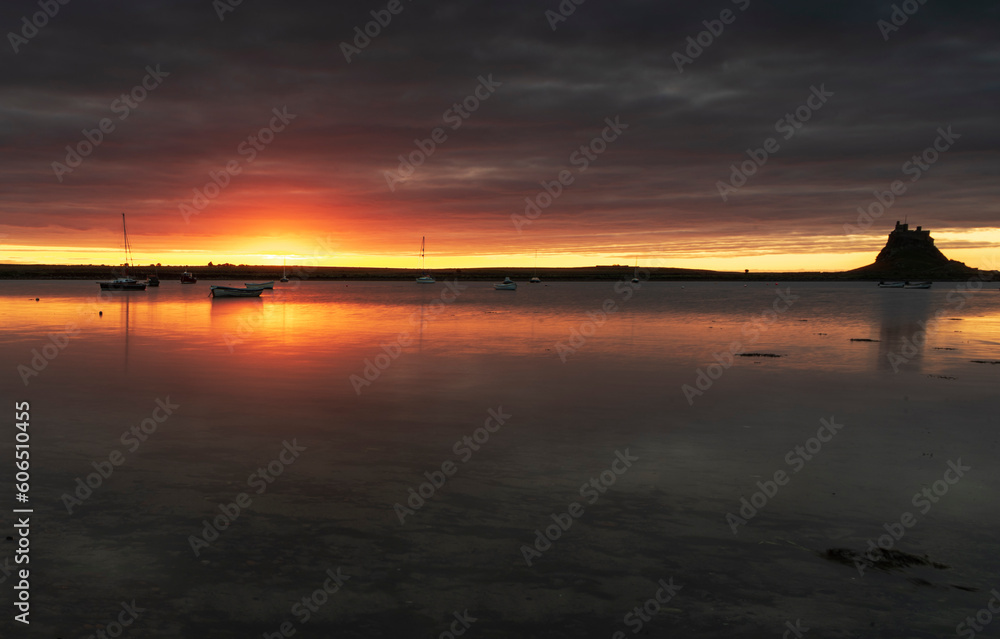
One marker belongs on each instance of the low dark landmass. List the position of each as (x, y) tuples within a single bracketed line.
[(592, 273)]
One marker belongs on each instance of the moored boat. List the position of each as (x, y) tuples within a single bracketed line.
[(261, 285), (153, 280), (188, 278), (232, 291), (124, 282), (918, 284), (507, 285), (426, 277), (891, 284)]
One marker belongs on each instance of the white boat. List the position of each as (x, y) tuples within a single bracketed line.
[(124, 282), (534, 277), (425, 278), (891, 284), (918, 284), (232, 291), (262, 285), (284, 278), (507, 285), (635, 273)]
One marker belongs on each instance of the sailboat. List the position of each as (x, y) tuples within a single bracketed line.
[(534, 278), (425, 278), (124, 282), (635, 273), (284, 278)]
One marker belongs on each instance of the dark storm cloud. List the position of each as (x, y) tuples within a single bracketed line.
[(557, 87)]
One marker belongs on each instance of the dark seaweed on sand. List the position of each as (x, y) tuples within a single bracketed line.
[(881, 559)]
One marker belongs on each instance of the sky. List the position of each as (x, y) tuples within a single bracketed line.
[(726, 135)]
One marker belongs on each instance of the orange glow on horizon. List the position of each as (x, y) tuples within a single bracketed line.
[(975, 247)]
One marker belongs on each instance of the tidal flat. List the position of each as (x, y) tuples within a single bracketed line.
[(302, 424)]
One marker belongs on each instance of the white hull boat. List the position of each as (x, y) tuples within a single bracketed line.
[(232, 291), (262, 285), (507, 285)]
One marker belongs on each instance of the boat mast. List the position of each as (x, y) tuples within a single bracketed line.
[(422, 262), (128, 248)]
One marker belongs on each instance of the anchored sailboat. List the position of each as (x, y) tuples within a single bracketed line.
[(425, 278), (534, 277), (124, 282)]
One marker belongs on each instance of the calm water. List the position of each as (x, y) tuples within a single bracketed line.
[(578, 372)]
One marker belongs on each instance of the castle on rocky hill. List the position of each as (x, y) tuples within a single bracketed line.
[(911, 254), (917, 244)]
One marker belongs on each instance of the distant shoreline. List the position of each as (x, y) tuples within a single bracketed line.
[(590, 273)]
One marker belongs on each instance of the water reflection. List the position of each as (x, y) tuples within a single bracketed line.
[(331, 326), (902, 335)]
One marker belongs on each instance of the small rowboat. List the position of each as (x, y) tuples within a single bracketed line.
[(891, 284), (232, 291), (262, 285), (507, 285), (918, 285)]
